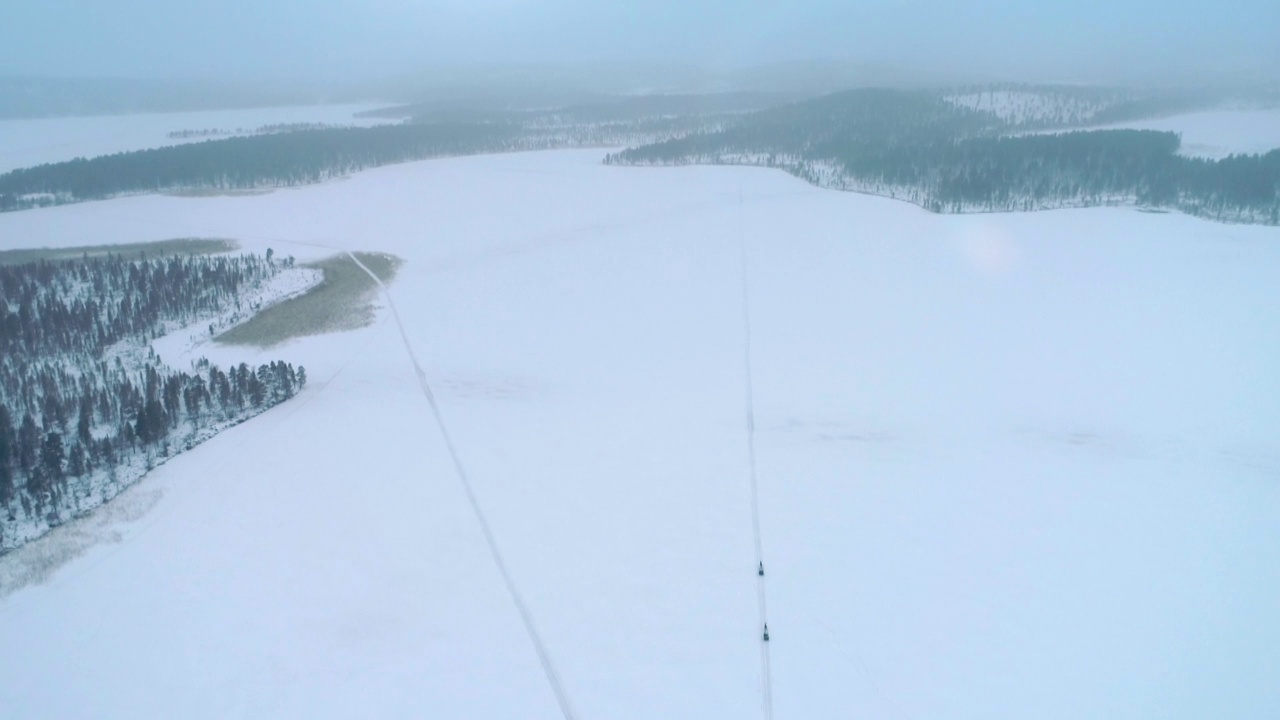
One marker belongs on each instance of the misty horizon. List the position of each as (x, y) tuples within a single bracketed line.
[(394, 40)]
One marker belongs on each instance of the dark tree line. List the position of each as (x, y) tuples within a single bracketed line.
[(83, 306), (950, 158), (81, 400), (269, 160), (201, 133), (300, 153)]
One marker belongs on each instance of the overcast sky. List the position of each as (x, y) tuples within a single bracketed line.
[(349, 39)]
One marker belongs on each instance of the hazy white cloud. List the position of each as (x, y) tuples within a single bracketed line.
[(362, 37)]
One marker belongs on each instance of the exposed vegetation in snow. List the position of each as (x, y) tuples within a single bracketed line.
[(344, 300)]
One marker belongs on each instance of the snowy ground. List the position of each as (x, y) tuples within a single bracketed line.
[(1012, 465), (24, 143), (1219, 133)]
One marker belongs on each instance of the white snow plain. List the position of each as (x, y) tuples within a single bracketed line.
[(29, 142), (1021, 465)]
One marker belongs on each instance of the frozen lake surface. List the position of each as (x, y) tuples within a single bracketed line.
[(1012, 466), (29, 142)]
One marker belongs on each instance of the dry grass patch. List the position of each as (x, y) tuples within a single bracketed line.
[(344, 300)]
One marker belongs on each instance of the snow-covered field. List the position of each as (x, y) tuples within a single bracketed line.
[(1219, 133), (24, 143), (1011, 465), (1021, 107)]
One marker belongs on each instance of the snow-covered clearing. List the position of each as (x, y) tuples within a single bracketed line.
[(1218, 133), (1020, 107), (1020, 465), (24, 143)]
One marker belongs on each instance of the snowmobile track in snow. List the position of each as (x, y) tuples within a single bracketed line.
[(766, 672), (553, 678)]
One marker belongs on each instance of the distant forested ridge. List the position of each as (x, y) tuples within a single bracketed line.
[(950, 157), (966, 149), (238, 163), (299, 153), (85, 406)]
